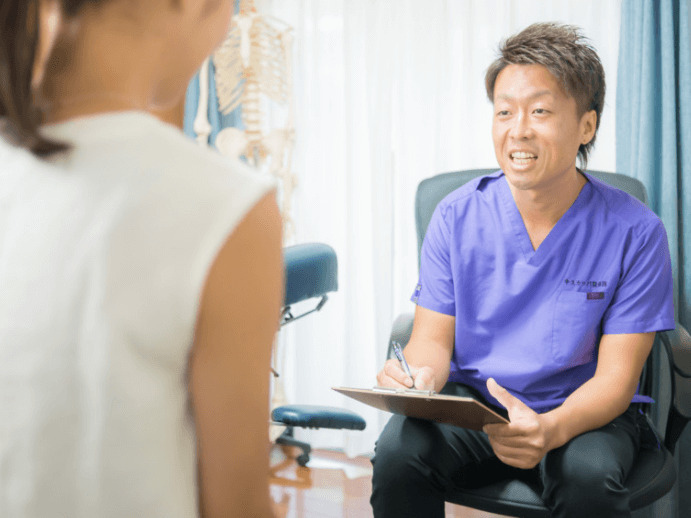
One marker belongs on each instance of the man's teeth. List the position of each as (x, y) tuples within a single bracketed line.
[(522, 157), (522, 154)]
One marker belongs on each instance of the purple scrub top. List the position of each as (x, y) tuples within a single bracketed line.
[(532, 319)]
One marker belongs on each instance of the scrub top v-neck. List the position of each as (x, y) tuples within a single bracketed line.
[(532, 319), (522, 238)]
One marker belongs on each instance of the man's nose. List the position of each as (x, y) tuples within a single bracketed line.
[(521, 127)]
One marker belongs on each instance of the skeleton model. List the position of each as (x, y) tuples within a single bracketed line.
[(254, 68)]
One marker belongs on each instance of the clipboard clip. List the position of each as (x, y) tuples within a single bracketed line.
[(391, 390)]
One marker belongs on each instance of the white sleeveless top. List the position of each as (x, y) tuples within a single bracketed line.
[(103, 257)]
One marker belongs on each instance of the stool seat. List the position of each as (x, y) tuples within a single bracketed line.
[(315, 416)]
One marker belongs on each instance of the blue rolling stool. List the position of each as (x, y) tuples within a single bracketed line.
[(311, 271)]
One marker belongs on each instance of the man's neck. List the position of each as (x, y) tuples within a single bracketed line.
[(542, 209), (546, 206)]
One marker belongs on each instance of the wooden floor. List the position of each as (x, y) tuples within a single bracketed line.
[(331, 486)]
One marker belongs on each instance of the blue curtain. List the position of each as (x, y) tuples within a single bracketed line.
[(654, 145), (217, 120)]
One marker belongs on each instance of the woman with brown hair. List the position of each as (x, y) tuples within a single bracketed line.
[(141, 274)]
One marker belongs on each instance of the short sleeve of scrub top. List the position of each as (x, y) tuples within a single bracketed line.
[(435, 289), (642, 299)]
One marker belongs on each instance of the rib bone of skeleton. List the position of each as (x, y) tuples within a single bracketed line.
[(254, 71)]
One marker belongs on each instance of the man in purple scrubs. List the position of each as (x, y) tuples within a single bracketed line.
[(541, 290)]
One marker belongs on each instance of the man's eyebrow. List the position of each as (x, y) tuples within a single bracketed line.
[(541, 93)]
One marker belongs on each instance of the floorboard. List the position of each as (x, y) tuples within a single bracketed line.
[(331, 486)]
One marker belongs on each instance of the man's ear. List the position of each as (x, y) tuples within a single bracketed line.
[(588, 126)]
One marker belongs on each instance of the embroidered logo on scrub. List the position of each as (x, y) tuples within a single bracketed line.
[(594, 284), (416, 295)]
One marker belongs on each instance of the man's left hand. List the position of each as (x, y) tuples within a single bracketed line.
[(525, 440)]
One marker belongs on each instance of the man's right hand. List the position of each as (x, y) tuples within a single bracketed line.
[(428, 353), (393, 375)]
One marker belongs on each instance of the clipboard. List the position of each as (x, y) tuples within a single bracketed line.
[(460, 411)]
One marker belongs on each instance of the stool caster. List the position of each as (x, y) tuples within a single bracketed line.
[(303, 459)]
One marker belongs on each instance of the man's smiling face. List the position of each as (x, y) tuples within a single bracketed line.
[(536, 127)]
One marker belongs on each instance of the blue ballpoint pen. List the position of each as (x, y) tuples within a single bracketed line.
[(399, 354)]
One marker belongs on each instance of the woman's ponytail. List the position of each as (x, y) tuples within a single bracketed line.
[(20, 119)]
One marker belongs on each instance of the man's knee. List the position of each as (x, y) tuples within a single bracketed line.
[(439, 454), (398, 456), (402, 484), (580, 485)]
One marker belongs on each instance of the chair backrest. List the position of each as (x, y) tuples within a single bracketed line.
[(432, 190), (311, 270)]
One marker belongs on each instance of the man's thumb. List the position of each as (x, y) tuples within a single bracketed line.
[(502, 395)]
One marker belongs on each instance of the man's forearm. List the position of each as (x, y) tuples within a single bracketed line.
[(607, 394), (432, 355), (591, 406)]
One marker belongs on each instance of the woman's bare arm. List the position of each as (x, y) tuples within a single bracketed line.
[(229, 367)]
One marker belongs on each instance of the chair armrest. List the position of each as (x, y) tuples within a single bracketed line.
[(677, 345), (401, 330)]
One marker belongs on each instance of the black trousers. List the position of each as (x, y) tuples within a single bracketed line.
[(416, 463)]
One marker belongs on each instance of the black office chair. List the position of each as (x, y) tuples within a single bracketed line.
[(654, 473)]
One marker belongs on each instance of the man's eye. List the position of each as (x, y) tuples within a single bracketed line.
[(540, 111), (502, 113)]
